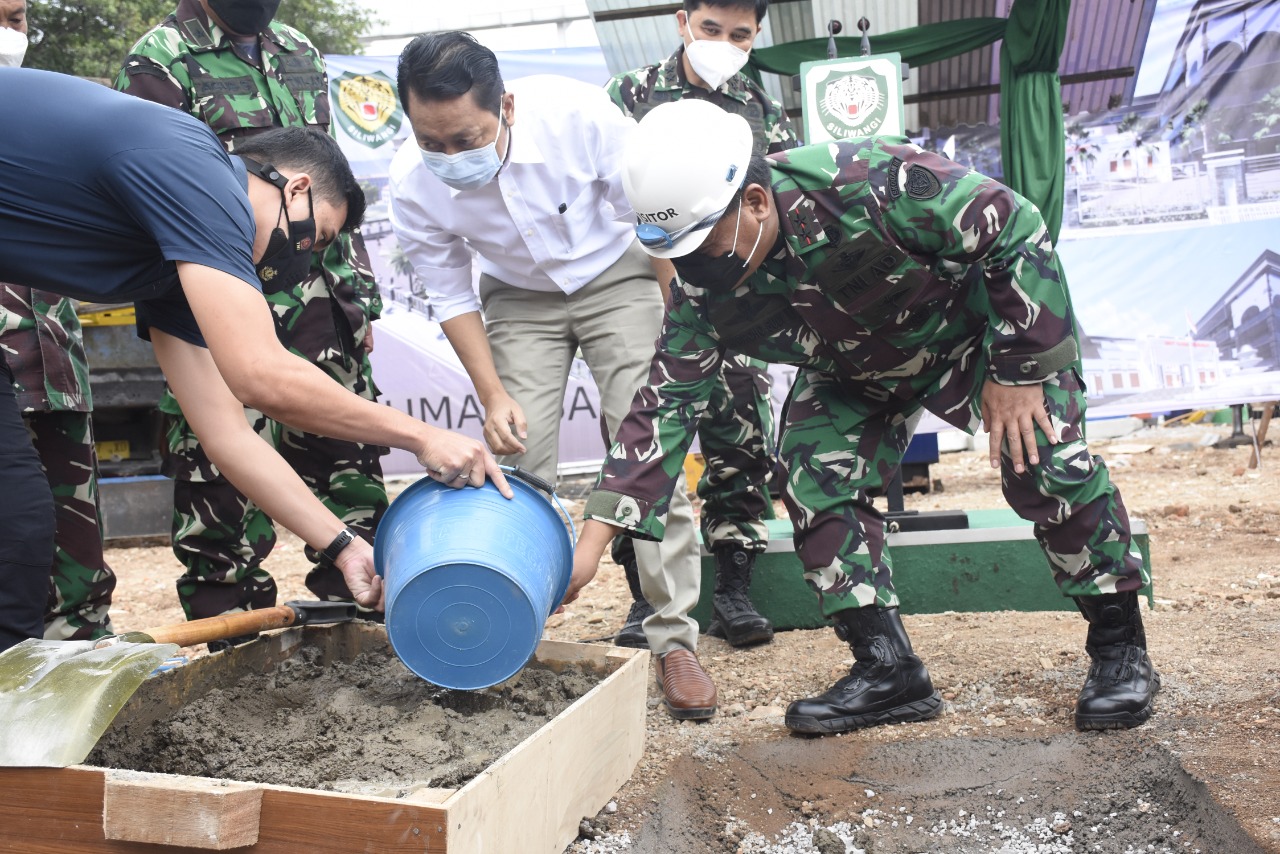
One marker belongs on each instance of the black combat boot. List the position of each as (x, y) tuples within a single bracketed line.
[(632, 632), (887, 683), (733, 617), (1120, 689)]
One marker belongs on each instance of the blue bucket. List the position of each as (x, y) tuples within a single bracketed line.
[(471, 578)]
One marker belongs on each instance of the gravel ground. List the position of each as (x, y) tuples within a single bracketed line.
[(1206, 765)]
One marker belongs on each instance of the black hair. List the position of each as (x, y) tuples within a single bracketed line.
[(758, 172), (444, 66), (313, 151), (760, 7)]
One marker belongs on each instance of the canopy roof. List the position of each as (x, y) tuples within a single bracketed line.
[(1104, 46)]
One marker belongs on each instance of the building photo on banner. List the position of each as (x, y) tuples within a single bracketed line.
[(1171, 236), (1171, 227)]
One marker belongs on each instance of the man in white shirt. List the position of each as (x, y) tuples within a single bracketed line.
[(541, 203)]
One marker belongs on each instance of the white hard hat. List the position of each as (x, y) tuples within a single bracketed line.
[(681, 166)]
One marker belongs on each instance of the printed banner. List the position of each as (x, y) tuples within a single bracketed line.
[(1171, 223)]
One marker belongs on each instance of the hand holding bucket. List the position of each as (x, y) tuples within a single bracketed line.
[(471, 577), (457, 461)]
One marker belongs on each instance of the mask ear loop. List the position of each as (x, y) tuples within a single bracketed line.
[(736, 226), (759, 233), (272, 176), (311, 215)]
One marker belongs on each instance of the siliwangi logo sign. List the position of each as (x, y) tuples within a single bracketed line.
[(368, 110), (846, 98)]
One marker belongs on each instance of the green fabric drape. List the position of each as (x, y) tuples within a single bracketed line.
[(1031, 132), (917, 45)]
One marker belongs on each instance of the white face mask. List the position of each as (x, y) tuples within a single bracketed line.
[(714, 61), (466, 170), (13, 47)]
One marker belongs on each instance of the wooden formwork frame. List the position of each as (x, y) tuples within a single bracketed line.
[(532, 799)]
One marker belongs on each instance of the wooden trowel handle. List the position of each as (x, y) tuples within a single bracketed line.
[(224, 626)]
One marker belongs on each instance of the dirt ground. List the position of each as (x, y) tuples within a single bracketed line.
[(1002, 768)]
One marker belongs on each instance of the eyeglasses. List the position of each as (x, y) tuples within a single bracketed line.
[(657, 237)]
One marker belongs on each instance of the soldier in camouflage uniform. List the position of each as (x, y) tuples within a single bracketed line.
[(736, 433), (234, 68), (41, 339), (895, 280)]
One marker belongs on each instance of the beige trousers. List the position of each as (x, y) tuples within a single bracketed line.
[(614, 320)]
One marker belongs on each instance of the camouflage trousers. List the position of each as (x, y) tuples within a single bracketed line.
[(81, 584), (222, 537), (736, 437), (837, 445)]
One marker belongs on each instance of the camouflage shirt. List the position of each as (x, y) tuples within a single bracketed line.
[(894, 268), (637, 92), (189, 63), (44, 346)]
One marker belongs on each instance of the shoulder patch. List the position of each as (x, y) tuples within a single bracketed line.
[(805, 226), (199, 35), (922, 184), (891, 188)]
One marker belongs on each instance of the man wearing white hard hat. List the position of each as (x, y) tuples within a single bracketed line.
[(737, 434), (896, 280)]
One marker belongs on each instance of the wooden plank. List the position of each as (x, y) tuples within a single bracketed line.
[(56, 810), (164, 809), (296, 820), (428, 795), (533, 798)]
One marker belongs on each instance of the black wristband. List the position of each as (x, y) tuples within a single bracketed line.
[(340, 542)]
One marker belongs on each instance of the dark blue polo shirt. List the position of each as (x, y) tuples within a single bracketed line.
[(101, 193)]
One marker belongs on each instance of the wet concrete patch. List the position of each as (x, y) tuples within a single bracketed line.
[(366, 725), (1109, 792)]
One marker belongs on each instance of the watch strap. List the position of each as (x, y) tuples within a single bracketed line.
[(340, 542)]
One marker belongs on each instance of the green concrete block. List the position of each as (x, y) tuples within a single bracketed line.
[(993, 565)]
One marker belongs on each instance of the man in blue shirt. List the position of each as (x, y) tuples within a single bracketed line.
[(110, 198)]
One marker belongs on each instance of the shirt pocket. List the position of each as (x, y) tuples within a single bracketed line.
[(576, 217)]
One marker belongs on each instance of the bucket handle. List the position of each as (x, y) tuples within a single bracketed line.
[(546, 486)]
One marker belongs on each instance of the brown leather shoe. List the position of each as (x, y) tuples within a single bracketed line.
[(687, 690)]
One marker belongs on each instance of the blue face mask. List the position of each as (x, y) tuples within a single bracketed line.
[(466, 170)]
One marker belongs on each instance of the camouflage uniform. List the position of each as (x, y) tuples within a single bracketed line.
[(736, 433), (221, 537), (41, 338), (901, 280)]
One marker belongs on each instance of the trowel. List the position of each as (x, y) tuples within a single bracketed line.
[(57, 698)]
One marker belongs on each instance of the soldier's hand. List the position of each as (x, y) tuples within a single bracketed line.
[(590, 547), (1012, 412), (457, 461), (504, 425), (355, 562), (368, 339)]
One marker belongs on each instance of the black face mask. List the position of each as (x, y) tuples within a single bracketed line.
[(287, 259), (245, 17), (719, 273)]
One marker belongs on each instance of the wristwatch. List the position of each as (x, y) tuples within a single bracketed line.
[(340, 542)]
